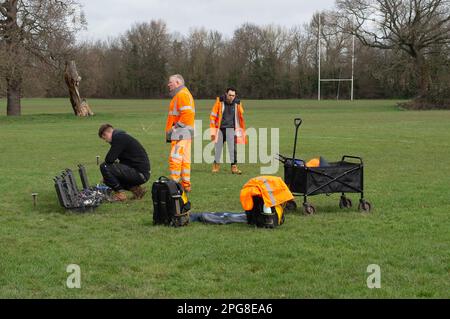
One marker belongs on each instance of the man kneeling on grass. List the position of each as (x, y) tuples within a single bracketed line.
[(133, 166)]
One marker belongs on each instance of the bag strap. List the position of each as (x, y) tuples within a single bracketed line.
[(173, 189), (175, 194)]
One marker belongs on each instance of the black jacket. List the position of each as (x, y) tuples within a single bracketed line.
[(228, 116), (128, 151)]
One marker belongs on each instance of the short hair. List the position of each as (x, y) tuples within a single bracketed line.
[(103, 128), (231, 89), (179, 77)]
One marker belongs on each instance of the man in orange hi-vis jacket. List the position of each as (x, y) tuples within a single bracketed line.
[(180, 131), (227, 125)]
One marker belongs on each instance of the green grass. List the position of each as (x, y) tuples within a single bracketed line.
[(326, 255)]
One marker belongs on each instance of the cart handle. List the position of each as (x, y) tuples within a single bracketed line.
[(281, 158), (297, 122), (353, 157)]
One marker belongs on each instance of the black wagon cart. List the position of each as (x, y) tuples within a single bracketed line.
[(345, 176)]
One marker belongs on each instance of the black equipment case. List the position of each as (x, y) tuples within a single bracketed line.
[(72, 198)]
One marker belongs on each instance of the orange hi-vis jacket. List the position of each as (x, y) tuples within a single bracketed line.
[(216, 119), (315, 162), (180, 121), (272, 189)]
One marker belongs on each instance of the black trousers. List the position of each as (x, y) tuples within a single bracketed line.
[(121, 177)]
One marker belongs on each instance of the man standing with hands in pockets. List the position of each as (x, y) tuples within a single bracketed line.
[(227, 125), (180, 131)]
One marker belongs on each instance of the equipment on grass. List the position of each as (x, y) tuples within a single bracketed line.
[(171, 206), (83, 176), (263, 216), (263, 199), (72, 198), (220, 218), (320, 177)]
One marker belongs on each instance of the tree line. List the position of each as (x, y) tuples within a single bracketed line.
[(404, 55)]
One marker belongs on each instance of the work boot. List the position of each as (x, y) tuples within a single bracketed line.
[(187, 189), (235, 170), (216, 168), (138, 192), (119, 196)]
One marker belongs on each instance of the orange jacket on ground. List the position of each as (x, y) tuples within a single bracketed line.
[(272, 189), (315, 162), (216, 119), (180, 121)]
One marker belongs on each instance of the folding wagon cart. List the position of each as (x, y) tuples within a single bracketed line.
[(345, 176)]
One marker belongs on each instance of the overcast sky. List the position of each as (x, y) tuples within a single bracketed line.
[(109, 18)]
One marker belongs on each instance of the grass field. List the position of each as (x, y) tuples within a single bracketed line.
[(121, 254)]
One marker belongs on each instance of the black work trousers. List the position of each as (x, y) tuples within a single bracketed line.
[(121, 177)]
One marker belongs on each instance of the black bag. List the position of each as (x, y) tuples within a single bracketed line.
[(171, 206), (259, 218)]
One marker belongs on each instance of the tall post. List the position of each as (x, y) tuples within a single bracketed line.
[(353, 67), (318, 55)]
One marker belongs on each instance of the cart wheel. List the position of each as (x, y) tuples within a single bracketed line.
[(309, 209), (345, 202), (291, 205), (364, 206)]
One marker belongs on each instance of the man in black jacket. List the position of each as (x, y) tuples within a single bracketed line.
[(133, 166)]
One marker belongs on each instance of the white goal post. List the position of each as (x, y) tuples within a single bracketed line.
[(320, 80)]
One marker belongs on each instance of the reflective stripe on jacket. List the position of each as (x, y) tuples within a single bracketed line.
[(272, 189), (215, 119)]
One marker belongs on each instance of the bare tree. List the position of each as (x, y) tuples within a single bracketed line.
[(261, 61), (145, 48), (29, 29), (80, 106), (245, 59), (413, 26), (204, 70)]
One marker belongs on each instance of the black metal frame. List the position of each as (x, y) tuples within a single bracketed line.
[(333, 179), (307, 172)]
